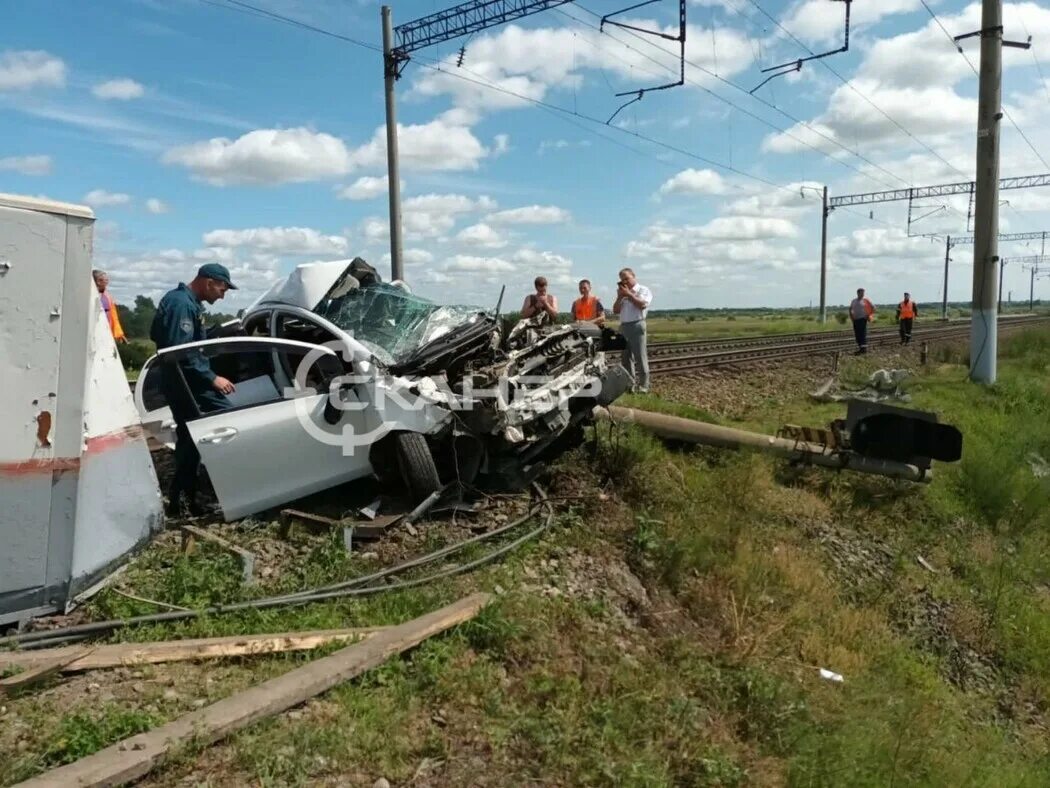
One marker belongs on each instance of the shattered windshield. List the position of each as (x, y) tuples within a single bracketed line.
[(391, 322)]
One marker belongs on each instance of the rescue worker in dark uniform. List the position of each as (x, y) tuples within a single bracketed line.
[(180, 320)]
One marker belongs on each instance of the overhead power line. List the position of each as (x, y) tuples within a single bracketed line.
[(851, 86), (759, 99), (563, 112), (973, 68)]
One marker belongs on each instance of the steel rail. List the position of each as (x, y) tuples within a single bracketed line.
[(694, 361)]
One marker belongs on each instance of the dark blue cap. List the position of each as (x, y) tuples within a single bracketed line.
[(217, 272)]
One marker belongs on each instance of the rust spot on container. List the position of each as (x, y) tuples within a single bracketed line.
[(43, 428)]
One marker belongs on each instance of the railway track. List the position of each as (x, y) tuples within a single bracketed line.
[(678, 357), (677, 348)]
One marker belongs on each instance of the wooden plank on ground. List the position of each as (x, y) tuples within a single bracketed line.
[(43, 668), (137, 755), (129, 654), (314, 523)]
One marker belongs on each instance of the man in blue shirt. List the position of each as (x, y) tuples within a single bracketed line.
[(190, 386)]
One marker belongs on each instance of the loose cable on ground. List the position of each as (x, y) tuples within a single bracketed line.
[(81, 632)]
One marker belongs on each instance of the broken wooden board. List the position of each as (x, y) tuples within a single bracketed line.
[(137, 755), (76, 658), (314, 523), (41, 669), (190, 535), (363, 531)]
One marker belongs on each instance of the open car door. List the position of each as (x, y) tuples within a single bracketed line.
[(280, 438)]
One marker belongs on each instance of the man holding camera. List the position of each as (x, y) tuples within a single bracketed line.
[(541, 303), (632, 303)]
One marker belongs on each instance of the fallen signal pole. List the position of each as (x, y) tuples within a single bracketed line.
[(873, 439)]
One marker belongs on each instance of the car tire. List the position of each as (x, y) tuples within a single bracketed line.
[(416, 463)]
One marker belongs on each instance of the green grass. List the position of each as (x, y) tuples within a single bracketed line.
[(694, 607)]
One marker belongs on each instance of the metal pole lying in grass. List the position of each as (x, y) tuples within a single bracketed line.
[(675, 428)]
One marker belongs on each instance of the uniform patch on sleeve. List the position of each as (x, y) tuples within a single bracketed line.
[(186, 325)]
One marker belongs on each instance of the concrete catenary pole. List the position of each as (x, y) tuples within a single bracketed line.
[(1031, 289), (984, 329), (947, 259), (999, 303), (824, 260), (397, 270)]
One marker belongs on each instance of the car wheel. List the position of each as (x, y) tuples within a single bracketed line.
[(416, 464)]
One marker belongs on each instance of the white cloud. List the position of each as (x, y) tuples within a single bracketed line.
[(364, 188), (155, 206), (917, 78), (433, 215), (876, 243), (531, 214), (374, 230), (415, 257), (547, 145), (27, 165), (443, 144), (500, 144), (26, 69), (264, 157), (481, 236), (694, 182), (746, 228), (720, 246), (99, 198), (279, 240), (818, 20), (473, 264), (534, 61), (119, 90)]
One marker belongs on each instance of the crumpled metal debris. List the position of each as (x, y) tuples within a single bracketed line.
[(883, 384), (1040, 467)]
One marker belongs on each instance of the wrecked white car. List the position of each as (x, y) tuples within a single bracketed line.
[(340, 376)]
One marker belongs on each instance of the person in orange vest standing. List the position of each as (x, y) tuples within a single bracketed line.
[(109, 305), (587, 308), (907, 311), (860, 312)]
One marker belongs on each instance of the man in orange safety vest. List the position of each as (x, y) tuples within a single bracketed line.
[(109, 305), (907, 311)]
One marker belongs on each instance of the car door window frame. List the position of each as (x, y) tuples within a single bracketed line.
[(244, 344)]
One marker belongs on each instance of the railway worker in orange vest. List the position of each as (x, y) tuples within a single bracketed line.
[(907, 311), (587, 308), (860, 312), (109, 305)]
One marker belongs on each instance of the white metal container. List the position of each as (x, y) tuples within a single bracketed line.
[(77, 486)]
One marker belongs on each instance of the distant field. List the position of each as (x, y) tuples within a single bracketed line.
[(674, 327)]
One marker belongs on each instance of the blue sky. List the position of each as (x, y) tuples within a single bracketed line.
[(199, 131)]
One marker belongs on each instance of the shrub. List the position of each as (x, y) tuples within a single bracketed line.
[(135, 353)]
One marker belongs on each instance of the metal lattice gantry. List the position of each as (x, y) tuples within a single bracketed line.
[(462, 20), (942, 190), (960, 240), (917, 193), (398, 45)]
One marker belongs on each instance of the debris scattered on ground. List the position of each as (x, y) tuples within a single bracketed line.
[(925, 564), (883, 384), (71, 659), (1040, 467), (831, 675), (136, 756)]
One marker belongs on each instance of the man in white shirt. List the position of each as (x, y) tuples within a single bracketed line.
[(632, 302)]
